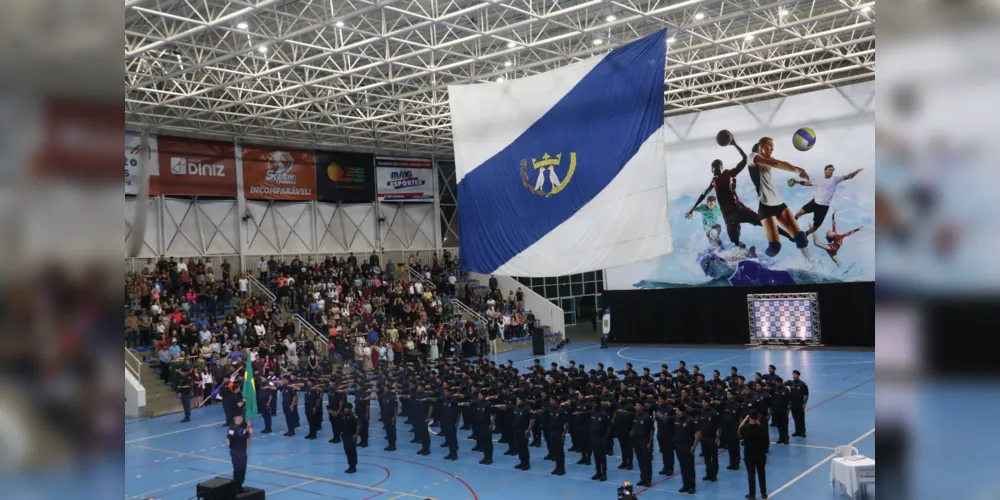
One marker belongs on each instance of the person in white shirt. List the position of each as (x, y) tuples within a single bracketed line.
[(773, 211), (244, 286), (418, 287), (825, 189)]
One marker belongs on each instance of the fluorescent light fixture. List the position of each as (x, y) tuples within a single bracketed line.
[(610, 18), (699, 16), (783, 12), (511, 45), (508, 64), (748, 38), (262, 49), (671, 40), (598, 41), (340, 24), (499, 79), (243, 26)]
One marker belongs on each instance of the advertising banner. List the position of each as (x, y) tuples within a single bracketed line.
[(279, 174), (133, 155), (347, 177), (196, 168), (404, 179)]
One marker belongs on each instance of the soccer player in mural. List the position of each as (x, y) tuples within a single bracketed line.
[(709, 221), (734, 212), (773, 211), (833, 240), (825, 189)]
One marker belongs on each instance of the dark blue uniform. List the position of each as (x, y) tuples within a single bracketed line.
[(780, 402), (730, 422), (239, 438), (334, 404), (289, 408), (522, 422), (449, 425), (599, 426), (267, 402), (388, 407), (348, 427), (684, 434), (362, 410), (709, 447), (556, 441), (484, 430), (665, 437), (642, 431), (314, 409), (184, 383), (798, 395)]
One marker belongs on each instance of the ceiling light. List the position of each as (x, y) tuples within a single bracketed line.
[(748, 38), (699, 16), (511, 45), (499, 79), (610, 18), (340, 24), (598, 41), (262, 49), (866, 8), (671, 40), (242, 26), (783, 12), (508, 64)]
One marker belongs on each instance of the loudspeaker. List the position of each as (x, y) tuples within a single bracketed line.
[(220, 488), (538, 342), (251, 494)]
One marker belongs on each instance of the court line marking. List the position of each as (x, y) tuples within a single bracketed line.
[(794, 445), (292, 487), (146, 494), (188, 429), (817, 466), (283, 472)]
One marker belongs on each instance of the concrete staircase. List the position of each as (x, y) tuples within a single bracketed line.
[(511, 344), (160, 399)]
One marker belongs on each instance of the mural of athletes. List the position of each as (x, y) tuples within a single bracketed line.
[(778, 192), (404, 179), (279, 174), (345, 177)]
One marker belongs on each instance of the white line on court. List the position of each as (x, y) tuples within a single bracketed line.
[(813, 468), (216, 424), (292, 487)]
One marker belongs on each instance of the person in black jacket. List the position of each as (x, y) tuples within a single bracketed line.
[(755, 438)]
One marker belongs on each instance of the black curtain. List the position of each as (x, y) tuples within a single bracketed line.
[(719, 315)]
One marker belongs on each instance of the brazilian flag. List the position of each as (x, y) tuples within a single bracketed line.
[(249, 393)]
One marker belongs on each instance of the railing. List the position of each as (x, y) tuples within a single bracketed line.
[(305, 324), (259, 288), (461, 305), (133, 364)]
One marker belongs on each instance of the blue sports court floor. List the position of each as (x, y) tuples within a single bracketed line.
[(166, 459)]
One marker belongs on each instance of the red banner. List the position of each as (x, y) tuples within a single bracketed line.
[(279, 174), (196, 168)]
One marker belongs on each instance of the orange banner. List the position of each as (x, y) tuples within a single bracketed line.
[(195, 168), (279, 174)]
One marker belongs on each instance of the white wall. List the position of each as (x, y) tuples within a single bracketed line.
[(844, 122), (545, 311), (135, 396)]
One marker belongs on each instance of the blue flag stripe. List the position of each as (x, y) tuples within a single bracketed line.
[(602, 121)]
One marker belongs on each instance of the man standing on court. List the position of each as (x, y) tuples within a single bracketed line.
[(642, 441), (799, 396), (755, 443), (780, 406), (349, 434), (238, 439), (686, 438), (388, 412)]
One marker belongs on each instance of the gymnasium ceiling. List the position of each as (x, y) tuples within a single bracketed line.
[(373, 75)]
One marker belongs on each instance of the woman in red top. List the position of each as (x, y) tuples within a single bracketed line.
[(833, 240)]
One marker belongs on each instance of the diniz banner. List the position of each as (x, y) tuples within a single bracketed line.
[(133, 155), (404, 179), (279, 174), (196, 168)]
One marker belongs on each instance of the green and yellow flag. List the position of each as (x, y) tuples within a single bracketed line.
[(249, 392)]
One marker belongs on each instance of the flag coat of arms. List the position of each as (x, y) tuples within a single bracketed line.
[(564, 172)]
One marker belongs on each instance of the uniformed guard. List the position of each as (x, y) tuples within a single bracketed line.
[(642, 442), (730, 422), (686, 437), (289, 406), (335, 400), (313, 407), (423, 413), (623, 429), (448, 419), (524, 421), (388, 408), (362, 410), (238, 439), (799, 397), (184, 383), (485, 420), (709, 426), (266, 401), (349, 429), (780, 406), (665, 433), (556, 430), (599, 427), (226, 393)]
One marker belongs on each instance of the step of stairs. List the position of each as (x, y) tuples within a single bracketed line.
[(160, 399)]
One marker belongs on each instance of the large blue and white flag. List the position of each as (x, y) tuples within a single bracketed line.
[(563, 172)]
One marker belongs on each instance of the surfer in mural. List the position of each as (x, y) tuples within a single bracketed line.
[(833, 240), (734, 212)]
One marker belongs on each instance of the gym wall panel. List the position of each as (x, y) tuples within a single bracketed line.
[(195, 227), (345, 227), (278, 227), (407, 226)]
